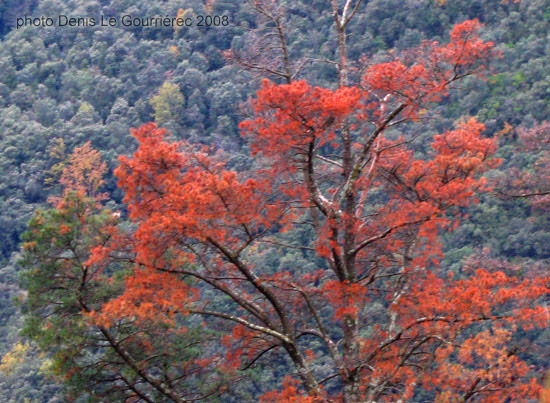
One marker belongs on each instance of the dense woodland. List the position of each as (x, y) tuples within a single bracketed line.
[(69, 97)]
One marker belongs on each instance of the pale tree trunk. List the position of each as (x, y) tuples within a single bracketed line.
[(350, 347)]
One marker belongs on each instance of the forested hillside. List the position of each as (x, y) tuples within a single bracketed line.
[(66, 91)]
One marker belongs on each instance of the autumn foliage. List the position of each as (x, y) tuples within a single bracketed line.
[(378, 309), (82, 172)]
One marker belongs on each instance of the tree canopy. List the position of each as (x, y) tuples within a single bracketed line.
[(338, 200), (375, 316)]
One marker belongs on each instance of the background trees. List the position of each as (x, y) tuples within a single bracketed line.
[(50, 77), (377, 318)]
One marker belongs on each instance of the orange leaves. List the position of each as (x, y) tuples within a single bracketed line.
[(154, 162), (149, 295), (411, 83), (487, 360), (289, 394), (481, 297), (177, 193), (425, 79), (64, 229), (466, 146), (468, 327), (83, 173), (424, 193), (466, 50), (346, 298), (98, 254), (300, 128), (242, 345), (449, 178), (545, 391), (488, 345), (373, 210), (292, 115), (332, 245)]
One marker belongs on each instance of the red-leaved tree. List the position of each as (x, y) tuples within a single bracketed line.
[(373, 316), (378, 309)]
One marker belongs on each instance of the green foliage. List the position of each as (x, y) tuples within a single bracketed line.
[(54, 251), (62, 87), (97, 360)]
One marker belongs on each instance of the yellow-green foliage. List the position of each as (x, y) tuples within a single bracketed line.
[(167, 103), (13, 358), (57, 153)]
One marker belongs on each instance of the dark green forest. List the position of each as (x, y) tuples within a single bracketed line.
[(61, 87)]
